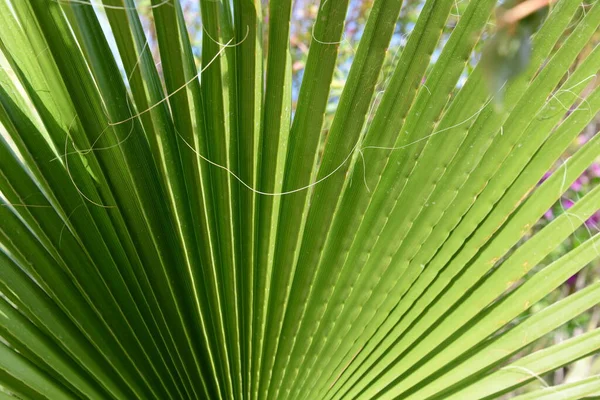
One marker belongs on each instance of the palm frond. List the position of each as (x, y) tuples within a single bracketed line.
[(185, 231)]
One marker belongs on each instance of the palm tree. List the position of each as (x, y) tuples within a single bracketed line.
[(178, 232)]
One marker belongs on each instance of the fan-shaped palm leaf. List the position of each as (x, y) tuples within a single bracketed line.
[(177, 233)]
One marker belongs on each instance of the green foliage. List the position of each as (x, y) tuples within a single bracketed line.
[(186, 230)]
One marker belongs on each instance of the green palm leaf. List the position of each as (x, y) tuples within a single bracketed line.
[(183, 231)]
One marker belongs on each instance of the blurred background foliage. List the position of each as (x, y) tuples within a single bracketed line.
[(304, 13)]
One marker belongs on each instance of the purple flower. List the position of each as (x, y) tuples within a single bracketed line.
[(592, 222), (582, 139), (580, 182), (572, 280), (566, 203), (549, 215), (595, 170), (546, 176)]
